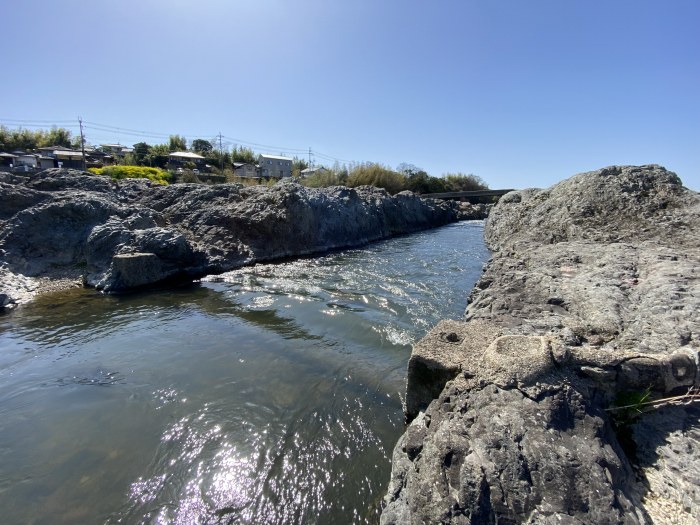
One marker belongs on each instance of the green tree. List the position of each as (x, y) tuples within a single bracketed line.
[(242, 154), (202, 146), (55, 137), (77, 142), (24, 139), (214, 159), (5, 138), (421, 182), (462, 182), (158, 156), (129, 160), (18, 139), (177, 143), (141, 151), (298, 165)]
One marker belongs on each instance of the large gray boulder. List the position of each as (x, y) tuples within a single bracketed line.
[(592, 295), (614, 204)]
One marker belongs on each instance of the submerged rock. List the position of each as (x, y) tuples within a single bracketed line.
[(592, 294), (63, 220)]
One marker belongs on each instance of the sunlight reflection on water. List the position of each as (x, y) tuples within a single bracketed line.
[(271, 394)]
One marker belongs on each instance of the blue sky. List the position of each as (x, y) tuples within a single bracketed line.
[(520, 93)]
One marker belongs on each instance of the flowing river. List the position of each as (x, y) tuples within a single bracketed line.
[(271, 394)]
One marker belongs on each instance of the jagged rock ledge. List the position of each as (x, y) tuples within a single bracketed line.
[(119, 236), (592, 294)]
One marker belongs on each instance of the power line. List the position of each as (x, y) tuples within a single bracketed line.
[(124, 131), (329, 157), (130, 132), (266, 146), (36, 122), (35, 126)]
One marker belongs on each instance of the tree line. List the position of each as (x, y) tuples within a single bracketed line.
[(27, 140), (404, 177)]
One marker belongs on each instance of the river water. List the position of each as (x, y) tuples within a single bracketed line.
[(271, 394)]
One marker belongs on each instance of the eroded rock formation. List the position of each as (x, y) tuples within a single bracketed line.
[(593, 292), (118, 236)]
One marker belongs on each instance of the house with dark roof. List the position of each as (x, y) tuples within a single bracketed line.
[(245, 170), (117, 150), (96, 158), (59, 157), (7, 161), (67, 158), (178, 159)]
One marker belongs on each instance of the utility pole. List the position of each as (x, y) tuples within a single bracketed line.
[(82, 140), (221, 154), (309, 156)]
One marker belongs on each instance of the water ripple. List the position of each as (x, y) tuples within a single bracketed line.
[(268, 395)]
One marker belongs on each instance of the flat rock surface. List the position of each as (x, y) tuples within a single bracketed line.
[(591, 296)]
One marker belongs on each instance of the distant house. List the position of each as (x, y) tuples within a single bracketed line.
[(59, 157), (312, 171), (7, 161), (116, 150), (26, 159), (19, 161), (66, 158), (272, 166), (47, 151), (96, 158), (245, 169), (178, 159), (46, 162)]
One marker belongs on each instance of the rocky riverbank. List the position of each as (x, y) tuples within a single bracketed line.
[(590, 302), (64, 225)]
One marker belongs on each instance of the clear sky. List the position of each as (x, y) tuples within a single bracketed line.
[(521, 93)]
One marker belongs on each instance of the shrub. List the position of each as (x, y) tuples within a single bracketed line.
[(421, 182), (189, 177), (156, 175), (378, 176), (245, 181), (324, 179), (462, 182)]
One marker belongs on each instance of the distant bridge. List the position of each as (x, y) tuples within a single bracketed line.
[(471, 196)]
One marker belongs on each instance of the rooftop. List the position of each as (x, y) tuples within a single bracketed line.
[(68, 153), (274, 157), (185, 155), (313, 170)]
